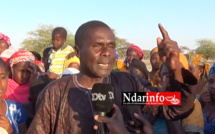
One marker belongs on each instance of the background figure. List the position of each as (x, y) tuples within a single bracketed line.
[(133, 51), (38, 62), (207, 100), (6, 57), (4, 42), (58, 53), (12, 115), (119, 65), (23, 72), (155, 63), (199, 67)]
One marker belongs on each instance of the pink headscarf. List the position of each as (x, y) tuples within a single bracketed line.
[(138, 49), (16, 92), (21, 56), (6, 38)]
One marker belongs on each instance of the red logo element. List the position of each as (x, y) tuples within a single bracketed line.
[(163, 98)]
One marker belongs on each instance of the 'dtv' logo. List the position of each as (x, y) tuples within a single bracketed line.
[(151, 98)]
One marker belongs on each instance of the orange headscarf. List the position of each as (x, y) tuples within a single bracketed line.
[(199, 59)]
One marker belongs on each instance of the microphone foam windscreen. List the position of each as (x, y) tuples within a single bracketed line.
[(102, 97)]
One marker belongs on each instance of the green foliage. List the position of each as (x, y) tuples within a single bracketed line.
[(40, 39), (206, 47), (121, 45)]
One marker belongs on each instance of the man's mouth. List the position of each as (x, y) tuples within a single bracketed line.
[(103, 65)]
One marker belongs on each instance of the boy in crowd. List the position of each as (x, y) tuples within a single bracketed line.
[(57, 53)]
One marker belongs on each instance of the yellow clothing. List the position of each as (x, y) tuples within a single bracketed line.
[(57, 58), (74, 59), (119, 66), (200, 59), (195, 121)]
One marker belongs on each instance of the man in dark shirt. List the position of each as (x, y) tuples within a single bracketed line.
[(64, 106)]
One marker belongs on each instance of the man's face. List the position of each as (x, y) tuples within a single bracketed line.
[(57, 41), (97, 53)]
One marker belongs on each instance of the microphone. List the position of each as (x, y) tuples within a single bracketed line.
[(102, 101)]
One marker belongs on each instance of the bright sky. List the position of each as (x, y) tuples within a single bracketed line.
[(135, 20)]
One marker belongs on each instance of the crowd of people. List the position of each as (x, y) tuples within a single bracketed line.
[(51, 94)]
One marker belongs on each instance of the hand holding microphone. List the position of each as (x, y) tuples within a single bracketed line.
[(102, 101)]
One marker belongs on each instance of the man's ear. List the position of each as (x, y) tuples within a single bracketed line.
[(77, 51)]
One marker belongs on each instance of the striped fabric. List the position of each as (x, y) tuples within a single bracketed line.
[(57, 59)]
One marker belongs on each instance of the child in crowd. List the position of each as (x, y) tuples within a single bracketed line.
[(23, 72), (11, 110), (58, 53)]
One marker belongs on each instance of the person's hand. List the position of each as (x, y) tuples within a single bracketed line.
[(205, 98), (147, 127), (5, 123), (52, 76), (169, 52), (33, 69), (115, 124)]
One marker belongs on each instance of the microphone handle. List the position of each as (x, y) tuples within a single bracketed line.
[(102, 125)]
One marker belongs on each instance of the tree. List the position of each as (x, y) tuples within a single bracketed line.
[(40, 39), (121, 45), (206, 47)]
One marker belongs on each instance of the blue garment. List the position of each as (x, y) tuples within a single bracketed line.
[(212, 70), (16, 114), (159, 126), (209, 126)]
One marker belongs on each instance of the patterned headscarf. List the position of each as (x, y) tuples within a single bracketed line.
[(199, 59), (138, 49), (20, 56), (212, 70), (6, 38)]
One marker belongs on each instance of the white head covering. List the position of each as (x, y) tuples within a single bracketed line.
[(70, 71)]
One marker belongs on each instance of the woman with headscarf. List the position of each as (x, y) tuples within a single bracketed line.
[(133, 52), (155, 63), (199, 67), (4, 42), (194, 123), (23, 70), (209, 103)]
